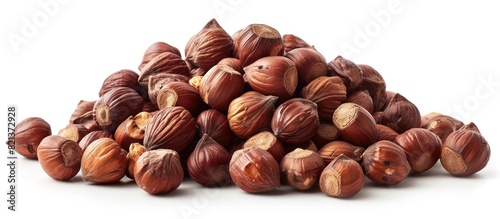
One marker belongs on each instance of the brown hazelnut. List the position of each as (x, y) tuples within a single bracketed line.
[(179, 94), (256, 41), (104, 161), (328, 93), (301, 168), (215, 124), (115, 106), (355, 124), (333, 149), (29, 133), (310, 64), (158, 81), (82, 112), (233, 63), (374, 83), (163, 63), (208, 164), (220, 85), (295, 121), (121, 78), (465, 151), (254, 170), (267, 141), (195, 82), (422, 148), (347, 70), (156, 48), (441, 125), (385, 163), (132, 129), (327, 132), (93, 135), (401, 114), (158, 171), (59, 157), (342, 178), (291, 41), (251, 113), (210, 45), (385, 133), (272, 75), (362, 98), (171, 128)]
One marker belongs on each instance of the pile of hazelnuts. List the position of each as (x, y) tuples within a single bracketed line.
[(255, 109)]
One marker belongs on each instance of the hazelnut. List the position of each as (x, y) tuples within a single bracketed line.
[(29, 133), (355, 124), (220, 85), (254, 170), (171, 128), (208, 164), (115, 106), (342, 178), (256, 41), (441, 125), (104, 161), (291, 41), (59, 157), (301, 168), (422, 148), (272, 75), (347, 70), (362, 98), (157, 82), (400, 114), (333, 149), (295, 121), (267, 141), (158, 171), (385, 133), (155, 49), (195, 82), (327, 92), (385, 163), (74, 132), (310, 64), (251, 113), (163, 63), (210, 45), (93, 135), (179, 94), (134, 152), (215, 124), (132, 129), (82, 112), (121, 78), (327, 132), (233, 63), (465, 151), (374, 83)]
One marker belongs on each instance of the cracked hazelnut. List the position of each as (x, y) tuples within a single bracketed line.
[(134, 152), (131, 130)]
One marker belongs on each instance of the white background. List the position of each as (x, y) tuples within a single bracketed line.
[(443, 56)]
